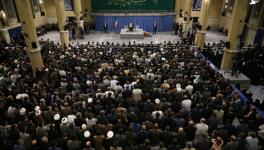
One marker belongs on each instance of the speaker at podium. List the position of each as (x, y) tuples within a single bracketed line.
[(131, 27), (131, 31)]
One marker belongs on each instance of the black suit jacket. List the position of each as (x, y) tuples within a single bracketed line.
[(155, 25), (105, 25)]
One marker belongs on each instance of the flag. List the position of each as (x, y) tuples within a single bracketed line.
[(116, 24)]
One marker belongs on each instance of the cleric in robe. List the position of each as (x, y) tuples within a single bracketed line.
[(131, 26)]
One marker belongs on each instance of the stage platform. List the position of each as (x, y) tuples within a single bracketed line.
[(98, 36), (240, 79), (135, 34)]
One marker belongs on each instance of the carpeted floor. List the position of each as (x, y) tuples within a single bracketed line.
[(257, 91)]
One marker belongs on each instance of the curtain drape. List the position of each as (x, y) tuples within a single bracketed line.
[(259, 36), (165, 23)]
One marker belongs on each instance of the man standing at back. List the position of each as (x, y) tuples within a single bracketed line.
[(155, 26), (105, 27)]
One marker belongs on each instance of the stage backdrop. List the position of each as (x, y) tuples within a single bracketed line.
[(110, 5), (116, 23)]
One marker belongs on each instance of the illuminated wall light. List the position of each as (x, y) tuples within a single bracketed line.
[(40, 1), (253, 2)]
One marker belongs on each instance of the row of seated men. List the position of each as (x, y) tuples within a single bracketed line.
[(121, 96)]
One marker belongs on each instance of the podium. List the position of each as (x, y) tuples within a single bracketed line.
[(131, 28), (131, 33), (135, 34)]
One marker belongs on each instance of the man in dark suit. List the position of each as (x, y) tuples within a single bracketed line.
[(155, 26), (81, 32), (105, 27), (176, 29), (73, 32), (181, 30)]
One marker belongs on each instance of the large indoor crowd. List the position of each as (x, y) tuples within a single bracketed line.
[(121, 96), (250, 62)]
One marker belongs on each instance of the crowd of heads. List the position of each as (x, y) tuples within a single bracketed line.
[(243, 63), (243, 60), (121, 96), (250, 62), (214, 52), (44, 29)]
